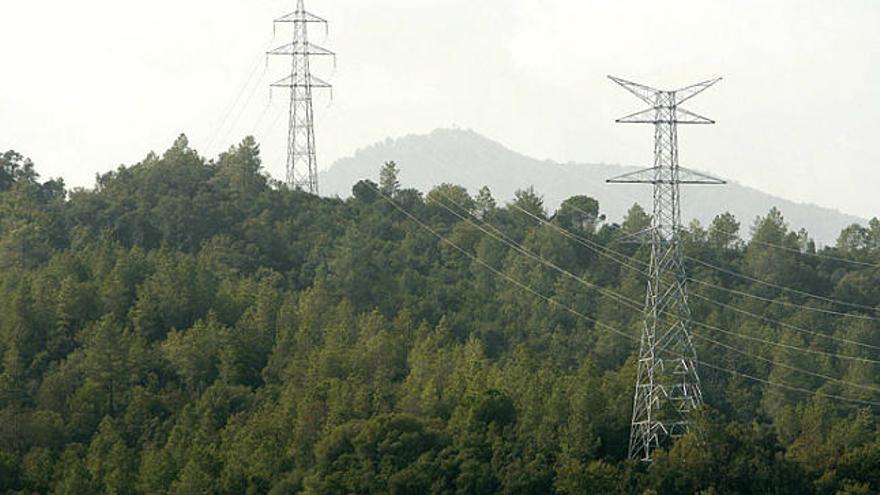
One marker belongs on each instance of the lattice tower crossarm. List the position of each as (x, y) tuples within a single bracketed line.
[(667, 388), (302, 162)]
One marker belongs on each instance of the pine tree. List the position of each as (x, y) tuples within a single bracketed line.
[(388, 183)]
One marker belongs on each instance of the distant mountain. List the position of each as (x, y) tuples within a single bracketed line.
[(471, 160)]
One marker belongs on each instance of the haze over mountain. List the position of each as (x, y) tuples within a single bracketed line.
[(469, 159)]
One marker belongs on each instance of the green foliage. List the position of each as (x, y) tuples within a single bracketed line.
[(579, 214), (724, 232), (636, 220), (188, 326), (484, 202), (388, 182), (529, 200)]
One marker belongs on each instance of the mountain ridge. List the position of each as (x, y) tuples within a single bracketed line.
[(472, 160)]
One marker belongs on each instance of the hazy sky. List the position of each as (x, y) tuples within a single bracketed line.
[(92, 84)]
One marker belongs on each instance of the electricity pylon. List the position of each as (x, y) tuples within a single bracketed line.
[(302, 162), (667, 384)]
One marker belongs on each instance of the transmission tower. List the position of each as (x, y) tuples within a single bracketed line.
[(302, 162), (667, 384)]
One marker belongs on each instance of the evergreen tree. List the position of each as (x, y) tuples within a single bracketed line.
[(187, 326), (388, 183)]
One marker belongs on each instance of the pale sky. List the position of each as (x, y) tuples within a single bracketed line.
[(92, 84)]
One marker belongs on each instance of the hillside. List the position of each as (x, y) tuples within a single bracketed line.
[(471, 160), (187, 328)]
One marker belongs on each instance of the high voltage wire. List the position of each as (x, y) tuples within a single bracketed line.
[(782, 323), (807, 253), (785, 346), (782, 303), (787, 386), (787, 366), (602, 250), (780, 246), (725, 331), (591, 245), (634, 305), (279, 155), (607, 252), (596, 246), (615, 330), (780, 287), (242, 108), (747, 277), (228, 112), (501, 237), (259, 120)]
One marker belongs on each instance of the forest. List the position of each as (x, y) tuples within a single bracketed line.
[(190, 326)]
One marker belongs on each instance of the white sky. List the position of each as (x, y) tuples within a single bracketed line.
[(92, 84)]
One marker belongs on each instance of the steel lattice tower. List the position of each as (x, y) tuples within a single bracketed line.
[(667, 385), (302, 162)]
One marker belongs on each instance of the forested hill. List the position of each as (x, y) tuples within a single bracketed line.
[(471, 160), (188, 327)]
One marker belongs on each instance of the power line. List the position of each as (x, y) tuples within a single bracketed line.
[(230, 108), (612, 329), (785, 346), (604, 251), (595, 246), (259, 120), (782, 303), (228, 112), (780, 287), (784, 324), (501, 237), (787, 366), (785, 248), (807, 253), (242, 108), (789, 387), (599, 249), (728, 306), (634, 305), (520, 248)]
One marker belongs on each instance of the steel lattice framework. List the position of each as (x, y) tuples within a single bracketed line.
[(302, 162), (668, 384)]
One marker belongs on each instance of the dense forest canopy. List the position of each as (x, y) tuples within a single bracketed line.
[(188, 326)]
